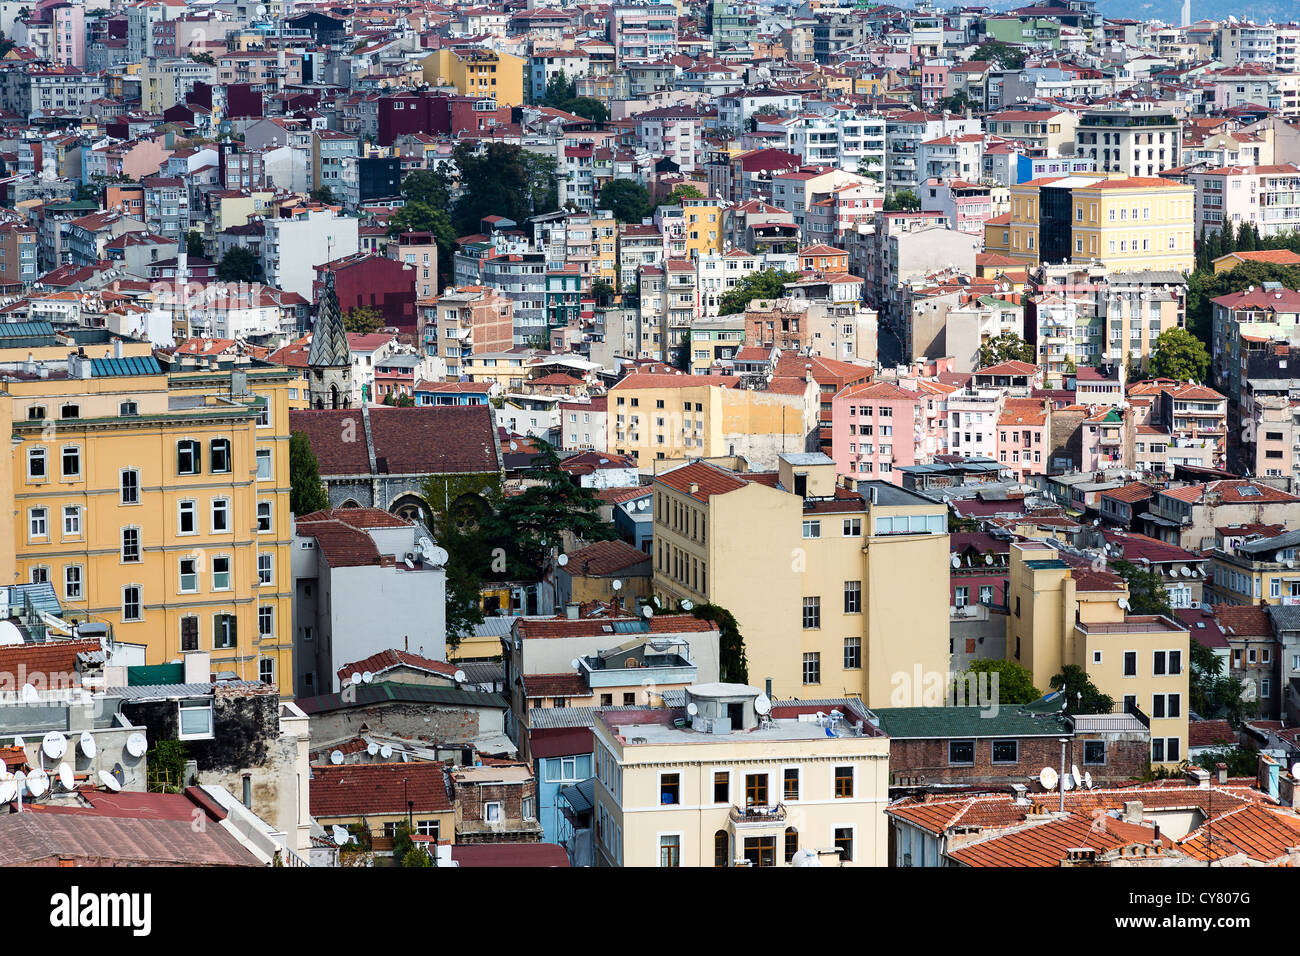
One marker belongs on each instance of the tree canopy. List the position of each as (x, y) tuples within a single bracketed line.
[(363, 319), (1000, 54), (1015, 684), (239, 265), (1204, 286), (1147, 593), (306, 490), (1213, 694), (627, 200), (502, 180), (1081, 694), (1006, 347), (1180, 355), (902, 200), (768, 284)]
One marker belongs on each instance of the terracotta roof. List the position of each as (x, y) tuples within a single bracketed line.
[(1130, 493), (389, 659), (555, 685), (604, 557), (1045, 844), (1259, 832), (509, 854), (351, 790), (1009, 368), (358, 517), (50, 658), (445, 439), (1243, 620), (1209, 733), (706, 479)]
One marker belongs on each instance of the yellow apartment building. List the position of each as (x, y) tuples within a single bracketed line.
[(157, 503), (703, 226), (657, 417), (733, 779), (838, 593), (1059, 615), (488, 74), (1126, 223)]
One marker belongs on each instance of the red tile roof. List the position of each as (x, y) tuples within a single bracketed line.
[(555, 685), (1210, 733), (1243, 620), (1259, 832), (1045, 844), (509, 854), (446, 439), (389, 659), (351, 790), (604, 557), (54, 659), (705, 479)]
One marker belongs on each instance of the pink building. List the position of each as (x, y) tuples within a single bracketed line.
[(1103, 439), (934, 82), (874, 430), (69, 41), (1023, 436)]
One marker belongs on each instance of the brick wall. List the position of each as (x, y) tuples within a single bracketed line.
[(918, 762)]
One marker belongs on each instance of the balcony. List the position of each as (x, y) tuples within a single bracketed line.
[(757, 816)]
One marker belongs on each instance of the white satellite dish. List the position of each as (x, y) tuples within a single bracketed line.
[(410, 565), (87, 742), (762, 705), (1087, 779), (1123, 603), (54, 745), (136, 745), (988, 559), (1047, 777), (438, 557), (805, 857), (616, 584), (1074, 774), (562, 560), (38, 781), (367, 677), (1067, 783), (340, 835), (372, 748), (1187, 572), (956, 561), (110, 781), (8, 790), (356, 677), (1295, 770), (66, 780), (686, 604), (575, 663), (30, 695), (336, 757), (647, 612), (460, 677), (386, 751), (692, 708)]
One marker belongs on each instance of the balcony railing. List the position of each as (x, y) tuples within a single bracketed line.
[(758, 815)]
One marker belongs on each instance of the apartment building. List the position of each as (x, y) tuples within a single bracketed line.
[(643, 33), (1254, 565), (734, 779), (1061, 615), (481, 73), (864, 418), (1245, 322), (465, 321), (838, 592), (1267, 197), (1135, 142), (18, 255)]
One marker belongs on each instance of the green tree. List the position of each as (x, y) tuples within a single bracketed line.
[(733, 665), (959, 102), (588, 107), (194, 245), (1213, 694), (1241, 763), (502, 180), (902, 200), (1015, 684), (306, 490), (417, 856), (999, 54), (1180, 355), (1205, 286), (429, 186), (1005, 347), (1247, 237), (1081, 694), (868, 169), (559, 91), (1146, 589), (768, 284), (362, 320), (602, 291), (681, 191), (402, 843), (682, 353), (201, 57), (322, 194), (421, 216), (627, 200), (239, 265)]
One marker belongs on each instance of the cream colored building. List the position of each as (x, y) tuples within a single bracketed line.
[(721, 783), (1059, 615), (838, 592)]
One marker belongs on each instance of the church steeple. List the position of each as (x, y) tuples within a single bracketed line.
[(329, 362)]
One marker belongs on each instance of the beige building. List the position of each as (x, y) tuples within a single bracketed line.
[(733, 779), (860, 578), (1060, 615)]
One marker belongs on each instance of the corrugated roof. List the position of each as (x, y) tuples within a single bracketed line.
[(393, 692), (132, 365)]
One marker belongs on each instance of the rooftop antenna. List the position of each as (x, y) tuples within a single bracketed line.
[(336, 757)]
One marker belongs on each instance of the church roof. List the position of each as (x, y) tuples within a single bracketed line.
[(329, 341)]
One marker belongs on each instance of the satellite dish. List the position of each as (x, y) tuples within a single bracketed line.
[(336, 757), (110, 781), (30, 695), (356, 678), (340, 835), (657, 602), (54, 745), (692, 708), (66, 780), (1123, 604), (410, 565), (8, 790), (460, 677), (1067, 783), (805, 857), (686, 604), (87, 741), (956, 561), (988, 559), (1295, 770), (438, 557), (1187, 572), (38, 781), (617, 585), (575, 663), (136, 745), (647, 612), (1047, 777), (386, 751), (1074, 774), (562, 560), (372, 748), (1087, 779), (762, 705), (514, 446), (1280, 557), (367, 677)]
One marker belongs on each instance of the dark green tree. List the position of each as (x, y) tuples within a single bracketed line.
[(959, 102), (239, 265), (1000, 54), (502, 180), (1241, 763), (306, 490), (1227, 239), (1015, 684), (681, 191), (194, 244), (588, 107), (733, 665), (602, 291), (1146, 590), (429, 186), (1204, 287), (627, 200), (1081, 694), (1005, 347), (1213, 694), (902, 200), (768, 284), (559, 91), (1180, 355), (363, 319), (322, 194)]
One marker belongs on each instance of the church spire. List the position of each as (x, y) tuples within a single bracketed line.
[(329, 340)]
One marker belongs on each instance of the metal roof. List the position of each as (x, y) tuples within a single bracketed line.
[(134, 365), (23, 330), (172, 691), (390, 691)]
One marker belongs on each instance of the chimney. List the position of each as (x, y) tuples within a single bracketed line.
[(571, 611), (1132, 811), (695, 488), (1221, 772), (1198, 777), (117, 348)]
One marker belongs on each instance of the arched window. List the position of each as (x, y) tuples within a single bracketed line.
[(721, 849), (791, 843), (334, 396)]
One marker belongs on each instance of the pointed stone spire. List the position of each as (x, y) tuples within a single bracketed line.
[(329, 340)]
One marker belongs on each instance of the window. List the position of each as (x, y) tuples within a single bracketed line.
[(1006, 751), (130, 487), (264, 517), (195, 720), (812, 668), (40, 575), (265, 569), (263, 464), (130, 545), (187, 518), (790, 783), (187, 458), (812, 529), (131, 603), (35, 413), (127, 409), (71, 461), (189, 575), (221, 574), (760, 851), (843, 782), (266, 621), (189, 633), (266, 670), (225, 630), (71, 521), (1094, 752), (812, 613), (36, 464), (72, 582), (961, 753), (844, 843), (756, 790), (721, 849), (220, 456), (961, 596), (852, 527), (852, 597), (38, 523), (1130, 663), (852, 653), (431, 828), (670, 788), (220, 515), (670, 850), (721, 786)]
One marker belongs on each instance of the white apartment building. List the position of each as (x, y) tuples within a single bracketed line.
[(973, 422), (294, 247), (1267, 196)]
